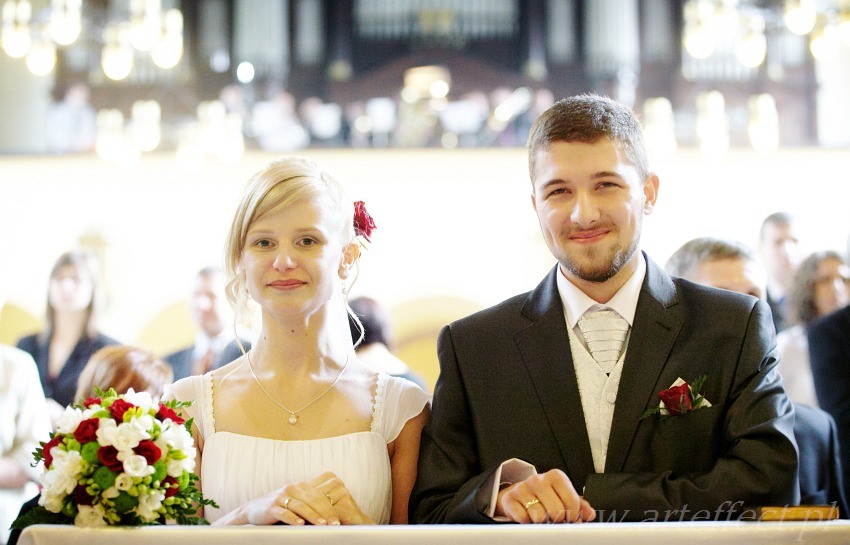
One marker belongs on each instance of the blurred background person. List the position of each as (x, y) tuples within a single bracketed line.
[(24, 422), (72, 122), (215, 341), (780, 254), (70, 335), (275, 124), (124, 367), (733, 266), (821, 286), (375, 348), (725, 264)]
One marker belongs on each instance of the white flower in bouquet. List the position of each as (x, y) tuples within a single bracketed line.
[(118, 460), (90, 516), (69, 420)]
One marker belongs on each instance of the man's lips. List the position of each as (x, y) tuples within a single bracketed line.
[(585, 237)]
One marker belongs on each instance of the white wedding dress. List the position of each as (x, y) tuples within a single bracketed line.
[(239, 468)]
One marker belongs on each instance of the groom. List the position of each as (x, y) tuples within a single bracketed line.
[(539, 415)]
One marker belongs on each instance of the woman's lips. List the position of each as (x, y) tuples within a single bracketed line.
[(286, 284)]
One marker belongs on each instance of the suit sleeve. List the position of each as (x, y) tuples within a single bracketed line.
[(451, 487), (758, 461)]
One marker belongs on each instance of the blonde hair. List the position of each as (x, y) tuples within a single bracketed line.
[(279, 185), (122, 368)]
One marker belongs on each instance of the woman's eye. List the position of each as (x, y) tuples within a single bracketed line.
[(308, 241), (263, 243)]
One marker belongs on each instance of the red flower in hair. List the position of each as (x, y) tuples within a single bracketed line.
[(363, 222)]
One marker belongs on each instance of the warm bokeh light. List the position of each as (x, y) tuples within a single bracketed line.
[(800, 16)]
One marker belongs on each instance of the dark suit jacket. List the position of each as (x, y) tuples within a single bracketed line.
[(181, 361), (820, 464), (829, 354), (507, 389)]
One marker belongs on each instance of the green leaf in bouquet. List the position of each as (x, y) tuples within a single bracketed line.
[(125, 502), (38, 515)]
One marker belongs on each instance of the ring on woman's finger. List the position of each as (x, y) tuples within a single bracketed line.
[(286, 502), (531, 502), (330, 499)]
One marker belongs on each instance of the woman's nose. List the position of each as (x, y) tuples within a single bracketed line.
[(283, 260)]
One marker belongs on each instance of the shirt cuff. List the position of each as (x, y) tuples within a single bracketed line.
[(510, 471)]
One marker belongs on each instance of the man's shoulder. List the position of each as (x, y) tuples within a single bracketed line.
[(496, 313), (692, 292)]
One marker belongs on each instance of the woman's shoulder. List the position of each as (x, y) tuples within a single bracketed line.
[(28, 342), (185, 389), (100, 340), (399, 400)]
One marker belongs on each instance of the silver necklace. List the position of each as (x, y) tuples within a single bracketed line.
[(293, 415)]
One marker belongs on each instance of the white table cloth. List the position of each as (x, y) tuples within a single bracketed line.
[(665, 533)]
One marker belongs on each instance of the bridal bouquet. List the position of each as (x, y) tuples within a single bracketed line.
[(118, 460)]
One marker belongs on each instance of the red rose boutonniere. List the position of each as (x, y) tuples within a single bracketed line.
[(680, 398), (363, 222)]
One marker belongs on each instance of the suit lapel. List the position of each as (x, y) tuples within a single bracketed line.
[(656, 326), (545, 348)]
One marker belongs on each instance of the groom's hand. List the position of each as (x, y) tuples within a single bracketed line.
[(546, 497)]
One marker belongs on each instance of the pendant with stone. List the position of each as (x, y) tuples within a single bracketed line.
[(293, 419)]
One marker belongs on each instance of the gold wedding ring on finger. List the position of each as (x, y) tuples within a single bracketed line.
[(531, 502), (286, 502)]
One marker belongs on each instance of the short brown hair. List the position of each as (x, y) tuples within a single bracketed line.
[(122, 368), (589, 118)]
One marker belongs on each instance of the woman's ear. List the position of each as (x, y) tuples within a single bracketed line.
[(349, 257)]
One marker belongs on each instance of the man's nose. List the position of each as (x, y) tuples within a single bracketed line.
[(585, 210)]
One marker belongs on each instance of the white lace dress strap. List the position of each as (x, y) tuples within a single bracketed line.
[(397, 400)]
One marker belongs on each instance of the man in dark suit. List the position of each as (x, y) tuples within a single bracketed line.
[(829, 354), (215, 343), (532, 422), (731, 265)]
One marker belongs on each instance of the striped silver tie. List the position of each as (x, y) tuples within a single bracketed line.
[(604, 332)]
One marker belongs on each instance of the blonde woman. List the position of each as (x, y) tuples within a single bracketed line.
[(298, 430)]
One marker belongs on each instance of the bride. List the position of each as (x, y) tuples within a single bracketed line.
[(297, 430)]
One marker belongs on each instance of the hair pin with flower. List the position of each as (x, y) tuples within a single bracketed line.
[(363, 222)]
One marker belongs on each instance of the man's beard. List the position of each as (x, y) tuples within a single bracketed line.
[(615, 263)]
